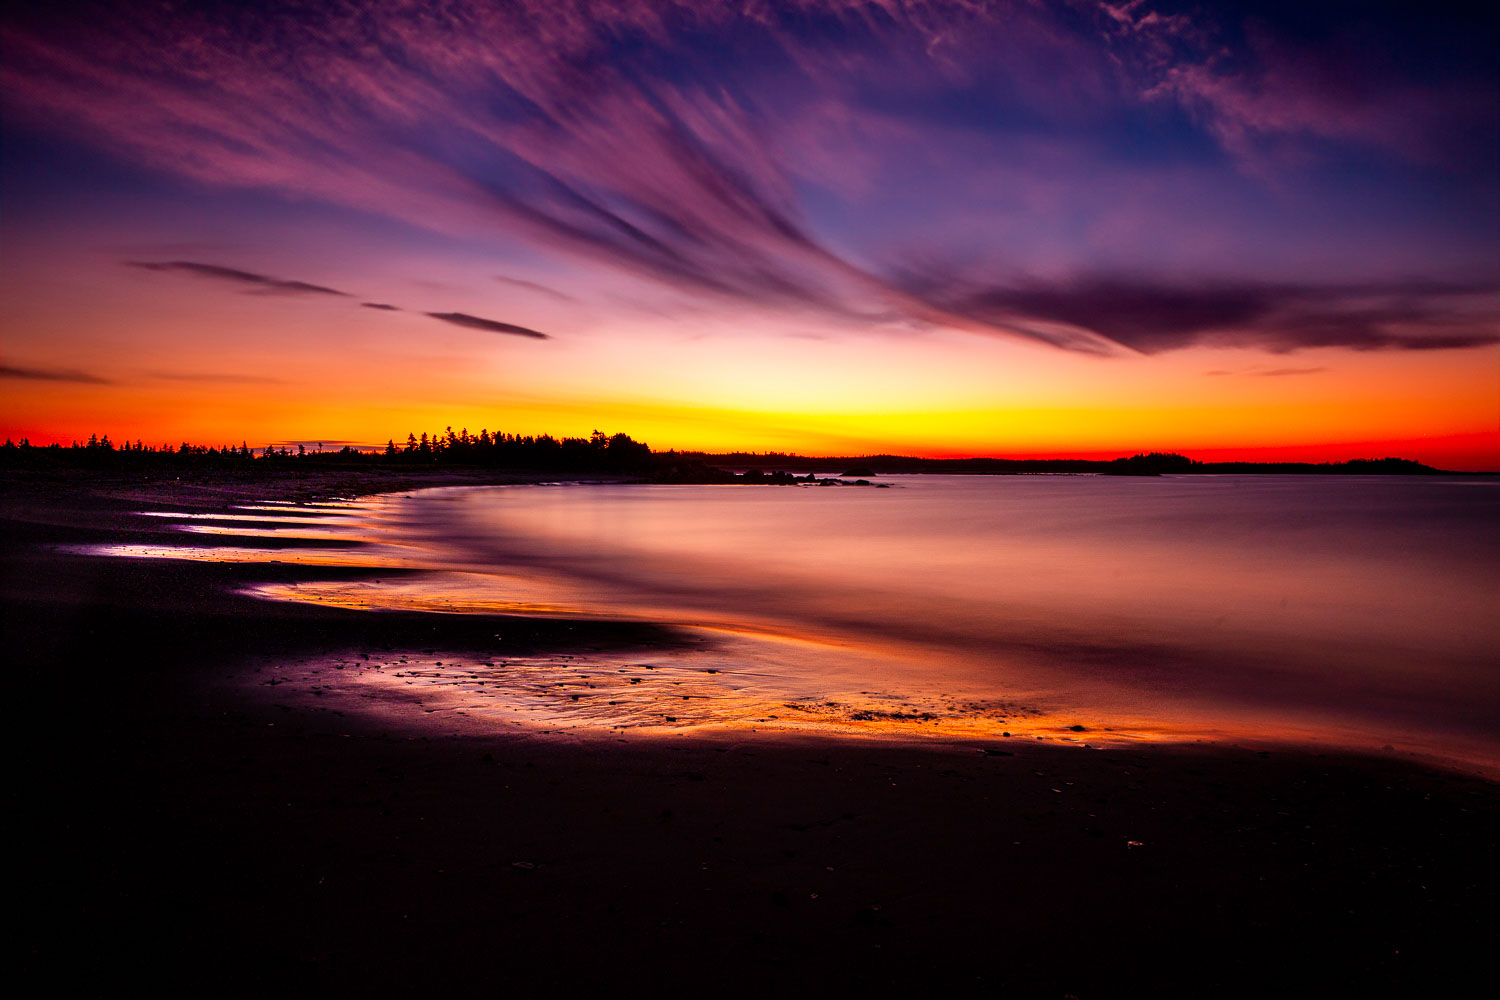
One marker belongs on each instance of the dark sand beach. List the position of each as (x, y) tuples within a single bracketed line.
[(177, 833)]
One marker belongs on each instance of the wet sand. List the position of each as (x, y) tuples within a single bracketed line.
[(180, 832)]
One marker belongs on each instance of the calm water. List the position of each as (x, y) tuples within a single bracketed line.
[(1355, 611)]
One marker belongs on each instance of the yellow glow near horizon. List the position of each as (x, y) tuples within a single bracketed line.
[(324, 374)]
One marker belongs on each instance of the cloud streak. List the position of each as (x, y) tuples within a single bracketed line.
[(256, 282), (52, 375), (267, 284), (532, 286), (1150, 316), (216, 378), (1271, 372), (487, 325)]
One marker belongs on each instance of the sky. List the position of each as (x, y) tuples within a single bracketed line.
[(936, 227)]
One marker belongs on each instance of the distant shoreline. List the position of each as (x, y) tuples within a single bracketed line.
[(635, 464), (1154, 463)]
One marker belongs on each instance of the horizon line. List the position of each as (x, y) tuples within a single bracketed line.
[(314, 448)]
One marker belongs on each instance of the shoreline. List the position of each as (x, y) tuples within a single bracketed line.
[(305, 849)]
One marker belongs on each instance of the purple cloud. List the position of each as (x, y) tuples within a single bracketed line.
[(793, 158), (1150, 316), (532, 286), (1274, 90), (488, 325), (257, 282)]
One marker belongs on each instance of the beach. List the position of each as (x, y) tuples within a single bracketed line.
[(182, 832)]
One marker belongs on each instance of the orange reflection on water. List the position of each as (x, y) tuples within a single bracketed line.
[(1225, 608)]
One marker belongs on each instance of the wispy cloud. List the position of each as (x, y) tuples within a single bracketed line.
[(612, 135), (488, 325), (257, 282), (1257, 371), (53, 375), (216, 378), (532, 286), (277, 285)]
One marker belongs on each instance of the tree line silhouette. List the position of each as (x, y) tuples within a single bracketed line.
[(620, 454), (599, 452)]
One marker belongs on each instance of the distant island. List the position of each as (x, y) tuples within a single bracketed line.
[(619, 455)]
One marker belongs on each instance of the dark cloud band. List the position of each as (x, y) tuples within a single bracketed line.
[(52, 375), (1150, 316), (488, 325), (258, 281)]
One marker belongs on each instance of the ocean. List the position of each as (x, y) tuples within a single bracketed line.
[(1357, 612)]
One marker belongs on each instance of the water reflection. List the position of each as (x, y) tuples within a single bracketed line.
[(1359, 611)]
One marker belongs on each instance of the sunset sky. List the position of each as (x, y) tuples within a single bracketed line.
[(824, 226)]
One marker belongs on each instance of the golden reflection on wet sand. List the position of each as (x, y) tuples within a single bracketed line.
[(737, 684), (671, 693), (443, 593), (303, 532), (324, 517), (231, 554)]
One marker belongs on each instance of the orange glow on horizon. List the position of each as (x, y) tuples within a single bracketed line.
[(1310, 432), (1214, 436), (322, 375)]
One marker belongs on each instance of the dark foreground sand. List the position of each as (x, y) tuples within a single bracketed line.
[(169, 831)]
